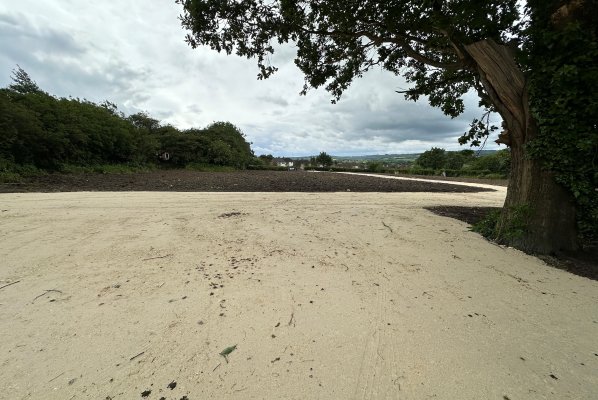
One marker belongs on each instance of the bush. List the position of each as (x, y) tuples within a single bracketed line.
[(517, 224), (487, 226), (494, 176), (421, 171), (10, 177), (375, 167), (105, 168), (255, 167)]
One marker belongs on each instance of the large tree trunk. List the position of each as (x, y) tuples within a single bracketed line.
[(538, 214)]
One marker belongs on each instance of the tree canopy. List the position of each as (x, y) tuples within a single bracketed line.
[(48, 132), (337, 41), (324, 159), (434, 158)]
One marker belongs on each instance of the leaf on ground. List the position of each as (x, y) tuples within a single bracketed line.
[(228, 350)]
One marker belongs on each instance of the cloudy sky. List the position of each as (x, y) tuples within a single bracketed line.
[(132, 52)]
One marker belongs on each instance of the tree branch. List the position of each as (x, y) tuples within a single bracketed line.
[(398, 40)]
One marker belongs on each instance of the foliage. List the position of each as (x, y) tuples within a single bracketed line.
[(418, 170), (563, 82), (339, 41), (456, 159), (78, 135), (497, 163), (324, 159), (260, 167), (265, 159), (10, 177), (516, 227), (479, 129), (105, 168), (374, 166), (487, 225), (432, 159), (464, 163), (22, 82)]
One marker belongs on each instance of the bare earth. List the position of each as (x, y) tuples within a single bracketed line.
[(327, 296)]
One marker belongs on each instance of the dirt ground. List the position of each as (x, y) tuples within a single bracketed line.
[(240, 181), (134, 295)]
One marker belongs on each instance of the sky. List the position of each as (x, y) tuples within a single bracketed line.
[(132, 53)]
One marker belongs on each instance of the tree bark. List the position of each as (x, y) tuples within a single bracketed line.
[(538, 215)]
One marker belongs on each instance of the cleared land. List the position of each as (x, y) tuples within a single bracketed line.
[(241, 181), (328, 295)]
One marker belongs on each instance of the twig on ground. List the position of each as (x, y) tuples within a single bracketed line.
[(56, 377), (216, 367), (45, 293), (155, 258), (292, 316), (389, 228), (137, 355), (12, 283)]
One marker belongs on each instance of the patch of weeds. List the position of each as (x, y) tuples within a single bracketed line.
[(105, 168), (487, 225), (517, 224), (10, 177), (493, 228)]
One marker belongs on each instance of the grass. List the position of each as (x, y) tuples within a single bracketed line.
[(106, 168)]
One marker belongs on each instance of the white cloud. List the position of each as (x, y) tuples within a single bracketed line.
[(134, 54)]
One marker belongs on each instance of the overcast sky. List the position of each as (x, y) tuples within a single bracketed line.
[(132, 52)]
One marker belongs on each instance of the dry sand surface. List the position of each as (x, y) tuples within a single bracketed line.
[(327, 296)]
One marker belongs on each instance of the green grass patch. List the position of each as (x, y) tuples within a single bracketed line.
[(106, 168)]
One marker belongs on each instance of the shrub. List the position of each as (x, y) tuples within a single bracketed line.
[(10, 177), (487, 226)]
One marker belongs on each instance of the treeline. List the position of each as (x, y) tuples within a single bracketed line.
[(460, 163), (50, 133), (436, 161)]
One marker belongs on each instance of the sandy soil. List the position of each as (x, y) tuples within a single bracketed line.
[(327, 296)]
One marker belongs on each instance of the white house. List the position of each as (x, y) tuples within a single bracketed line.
[(283, 162)]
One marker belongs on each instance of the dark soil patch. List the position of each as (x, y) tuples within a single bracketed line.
[(240, 181), (583, 263), (470, 215)]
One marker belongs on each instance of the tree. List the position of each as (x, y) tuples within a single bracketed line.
[(456, 159), (324, 159), (266, 158), (22, 82), (142, 120), (229, 139), (444, 49), (496, 163), (433, 159)]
